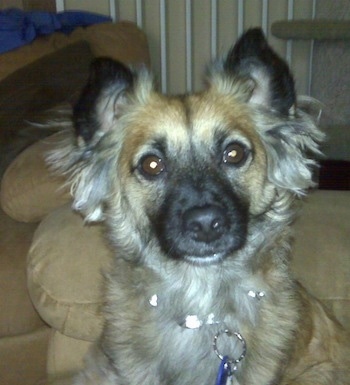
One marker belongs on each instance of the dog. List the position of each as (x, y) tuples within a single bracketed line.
[(198, 193)]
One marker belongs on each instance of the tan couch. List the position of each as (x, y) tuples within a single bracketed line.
[(36, 77), (65, 258)]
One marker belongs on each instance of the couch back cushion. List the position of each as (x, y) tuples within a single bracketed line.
[(37, 87), (29, 190)]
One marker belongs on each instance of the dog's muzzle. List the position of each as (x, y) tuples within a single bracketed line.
[(202, 226)]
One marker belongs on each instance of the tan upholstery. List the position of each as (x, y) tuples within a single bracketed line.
[(64, 273), (29, 191), (322, 249), (129, 45)]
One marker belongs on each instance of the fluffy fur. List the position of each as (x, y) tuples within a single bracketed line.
[(198, 193)]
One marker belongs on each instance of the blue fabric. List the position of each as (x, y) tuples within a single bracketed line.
[(18, 27)]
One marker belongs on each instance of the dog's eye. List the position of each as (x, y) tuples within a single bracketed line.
[(152, 165), (235, 153)]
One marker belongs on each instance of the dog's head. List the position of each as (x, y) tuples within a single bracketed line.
[(192, 176)]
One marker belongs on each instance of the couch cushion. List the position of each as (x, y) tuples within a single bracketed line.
[(36, 87), (322, 249), (122, 40), (29, 191), (23, 358), (64, 273), (66, 258), (65, 355), (17, 314), (42, 84)]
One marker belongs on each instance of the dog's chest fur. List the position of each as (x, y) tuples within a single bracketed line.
[(153, 311)]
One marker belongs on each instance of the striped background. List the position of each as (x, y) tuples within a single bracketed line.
[(184, 35)]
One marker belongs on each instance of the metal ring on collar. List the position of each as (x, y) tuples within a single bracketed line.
[(230, 334)]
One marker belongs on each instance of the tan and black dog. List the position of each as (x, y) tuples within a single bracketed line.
[(197, 192)]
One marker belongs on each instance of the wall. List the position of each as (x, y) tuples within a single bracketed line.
[(331, 83)]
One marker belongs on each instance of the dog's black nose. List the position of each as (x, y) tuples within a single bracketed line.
[(205, 224)]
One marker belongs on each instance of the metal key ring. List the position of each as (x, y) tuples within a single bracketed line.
[(230, 334)]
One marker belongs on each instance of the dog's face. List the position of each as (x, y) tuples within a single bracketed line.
[(191, 178), (196, 169)]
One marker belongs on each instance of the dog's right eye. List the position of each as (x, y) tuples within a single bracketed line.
[(152, 165), (235, 154)]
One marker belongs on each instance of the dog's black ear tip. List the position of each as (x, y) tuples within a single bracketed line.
[(109, 80), (251, 44), (106, 63), (253, 57), (255, 33), (103, 69), (252, 39)]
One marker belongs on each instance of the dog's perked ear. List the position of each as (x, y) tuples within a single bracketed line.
[(254, 74), (252, 58), (97, 108), (84, 155)]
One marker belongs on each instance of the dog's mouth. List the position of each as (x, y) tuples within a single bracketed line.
[(205, 260), (203, 254)]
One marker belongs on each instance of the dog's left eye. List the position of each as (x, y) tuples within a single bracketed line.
[(152, 165), (235, 154)]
